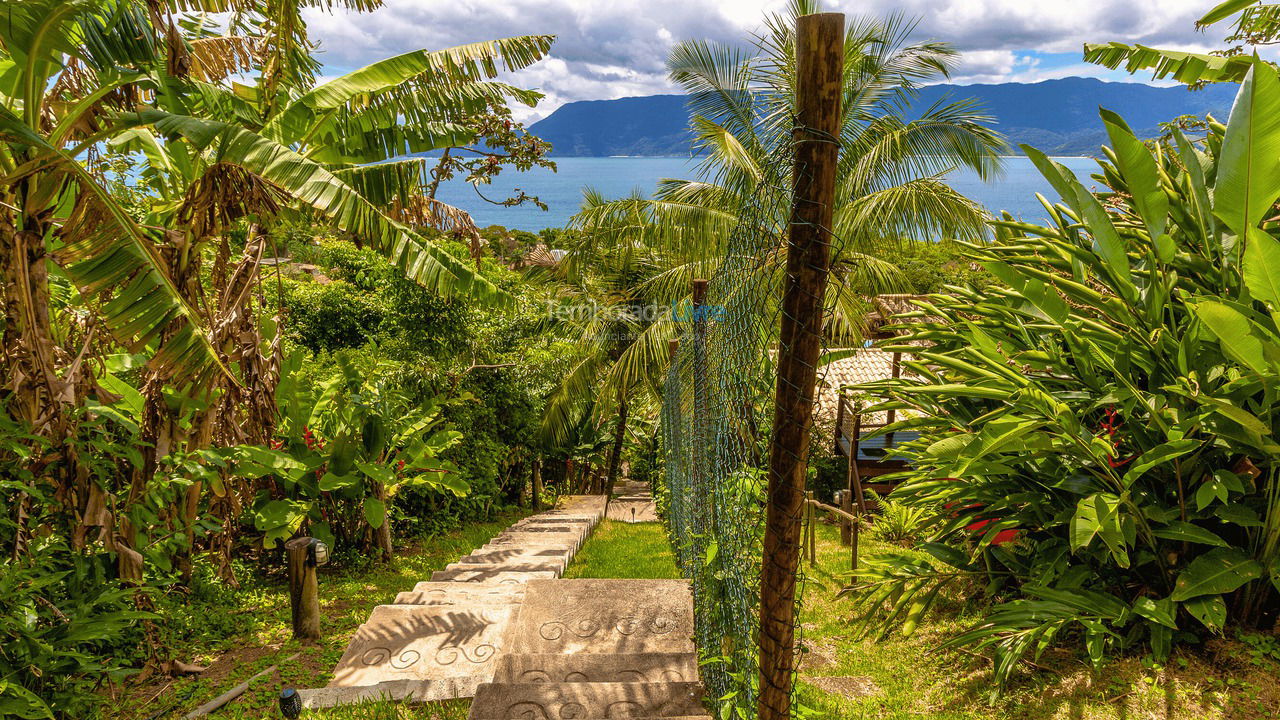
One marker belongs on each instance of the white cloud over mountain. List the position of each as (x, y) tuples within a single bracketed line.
[(617, 48)]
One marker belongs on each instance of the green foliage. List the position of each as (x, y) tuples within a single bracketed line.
[(898, 523), (1114, 402), (930, 266), (346, 445), (60, 616), (368, 300)]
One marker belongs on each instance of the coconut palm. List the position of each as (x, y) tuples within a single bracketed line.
[(891, 181)]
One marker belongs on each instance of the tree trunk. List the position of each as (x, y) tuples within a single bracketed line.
[(615, 456), (819, 73), (383, 534)]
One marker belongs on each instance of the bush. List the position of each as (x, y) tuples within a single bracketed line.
[(61, 616), (1115, 403), (897, 523)]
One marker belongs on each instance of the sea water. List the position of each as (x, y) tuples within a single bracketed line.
[(614, 177)]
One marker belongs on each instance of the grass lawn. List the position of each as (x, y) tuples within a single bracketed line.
[(625, 550), (910, 678), (260, 612)]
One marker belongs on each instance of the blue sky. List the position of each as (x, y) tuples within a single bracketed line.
[(616, 48)]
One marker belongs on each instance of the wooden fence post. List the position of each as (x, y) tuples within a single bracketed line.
[(846, 526), (819, 85), (304, 590)]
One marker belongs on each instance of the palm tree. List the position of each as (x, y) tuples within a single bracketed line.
[(891, 183)]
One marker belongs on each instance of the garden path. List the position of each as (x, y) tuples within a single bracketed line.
[(502, 626)]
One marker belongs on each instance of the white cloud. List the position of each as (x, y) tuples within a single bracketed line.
[(617, 48)]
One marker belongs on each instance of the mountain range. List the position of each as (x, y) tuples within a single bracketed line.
[(1059, 117)]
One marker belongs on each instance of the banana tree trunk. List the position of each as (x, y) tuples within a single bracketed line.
[(615, 456), (383, 534)]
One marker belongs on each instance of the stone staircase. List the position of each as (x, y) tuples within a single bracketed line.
[(597, 649), (442, 639), (632, 502)]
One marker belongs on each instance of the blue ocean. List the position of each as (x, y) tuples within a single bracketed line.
[(619, 176)]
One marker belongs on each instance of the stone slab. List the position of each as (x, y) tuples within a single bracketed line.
[(463, 594), (522, 537), (584, 667), (511, 553), (520, 565), (633, 512), (604, 616), (496, 701), (450, 647), (491, 575), (558, 519)]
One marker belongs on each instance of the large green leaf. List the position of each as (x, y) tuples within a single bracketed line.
[(1185, 67), (111, 255), (1219, 571), (1159, 455), (1262, 266), (1235, 333), (1138, 166), (1099, 516), (312, 184), (1249, 166)]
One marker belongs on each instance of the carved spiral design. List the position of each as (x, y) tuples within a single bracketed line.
[(661, 624), (555, 629), (379, 655), (527, 711), (571, 711), (479, 654)]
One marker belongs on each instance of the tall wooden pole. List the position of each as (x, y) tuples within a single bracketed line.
[(819, 70)]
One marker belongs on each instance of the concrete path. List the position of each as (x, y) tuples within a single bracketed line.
[(597, 649), (632, 502), (442, 639), (502, 626)]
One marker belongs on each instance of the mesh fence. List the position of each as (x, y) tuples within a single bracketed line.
[(716, 421)]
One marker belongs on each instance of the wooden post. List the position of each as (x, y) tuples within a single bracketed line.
[(819, 76), (891, 415), (304, 591), (855, 477), (537, 484), (853, 563), (846, 526), (701, 409)]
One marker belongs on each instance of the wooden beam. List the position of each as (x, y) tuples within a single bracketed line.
[(819, 84)]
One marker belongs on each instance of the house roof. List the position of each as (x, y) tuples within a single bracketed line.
[(862, 365)]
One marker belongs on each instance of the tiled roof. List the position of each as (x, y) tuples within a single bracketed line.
[(864, 365)]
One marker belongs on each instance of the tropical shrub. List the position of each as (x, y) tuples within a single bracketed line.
[(1115, 402), (346, 447), (896, 522)]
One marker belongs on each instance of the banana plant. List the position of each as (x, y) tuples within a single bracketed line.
[(1255, 23), (346, 449), (1114, 403)]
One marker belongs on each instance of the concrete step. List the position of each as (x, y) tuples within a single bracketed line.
[(463, 594), (522, 565), (604, 616), (491, 574), (560, 557), (451, 648), (597, 667), (495, 701)]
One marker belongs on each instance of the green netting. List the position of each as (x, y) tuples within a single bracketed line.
[(716, 415)]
